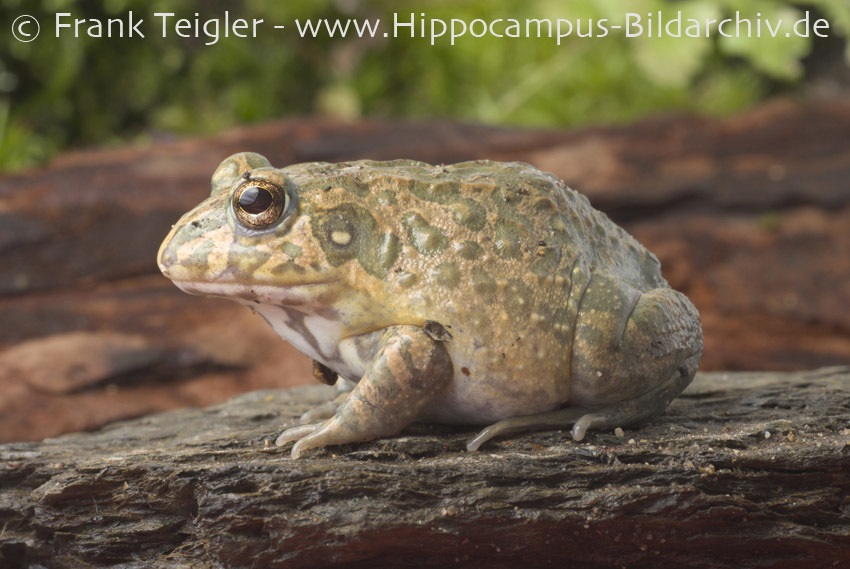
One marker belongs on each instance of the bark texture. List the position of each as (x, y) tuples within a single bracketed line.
[(744, 470)]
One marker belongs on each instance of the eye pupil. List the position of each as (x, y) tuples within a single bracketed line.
[(259, 204), (255, 200)]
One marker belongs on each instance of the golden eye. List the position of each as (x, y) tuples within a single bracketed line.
[(259, 203)]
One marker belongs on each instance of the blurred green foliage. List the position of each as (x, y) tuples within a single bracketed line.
[(65, 92)]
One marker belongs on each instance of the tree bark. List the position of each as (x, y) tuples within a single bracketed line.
[(744, 470)]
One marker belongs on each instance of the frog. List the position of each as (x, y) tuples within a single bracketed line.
[(487, 294)]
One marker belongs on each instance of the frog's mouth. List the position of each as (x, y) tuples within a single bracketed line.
[(305, 294)]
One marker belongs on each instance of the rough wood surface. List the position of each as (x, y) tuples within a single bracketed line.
[(750, 216), (744, 470)]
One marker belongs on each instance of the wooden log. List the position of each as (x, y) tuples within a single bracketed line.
[(744, 470)]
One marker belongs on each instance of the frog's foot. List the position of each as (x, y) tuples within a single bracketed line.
[(409, 370), (582, 419), (315, 436), (334, 431)]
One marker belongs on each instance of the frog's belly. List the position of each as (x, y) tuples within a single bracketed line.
[(461, 406), (482, 393)]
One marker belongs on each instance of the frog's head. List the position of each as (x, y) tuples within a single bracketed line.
[(262, 238)]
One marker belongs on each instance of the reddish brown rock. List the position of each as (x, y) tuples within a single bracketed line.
[(750, 216), (66, 363)]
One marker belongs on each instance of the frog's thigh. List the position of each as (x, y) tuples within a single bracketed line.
[(632, 346), (627, 342), (408, 372), (634, 353)]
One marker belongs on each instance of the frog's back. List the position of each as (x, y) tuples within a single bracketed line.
[(502, 218)]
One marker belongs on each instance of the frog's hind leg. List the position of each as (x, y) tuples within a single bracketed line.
[(583, 418)]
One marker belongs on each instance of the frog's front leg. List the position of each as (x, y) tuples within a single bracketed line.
[(409, 370)]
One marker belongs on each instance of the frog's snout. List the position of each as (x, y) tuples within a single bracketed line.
[(166, 257), (163, 261)]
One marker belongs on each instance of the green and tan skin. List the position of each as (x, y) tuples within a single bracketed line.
[(480, 293)]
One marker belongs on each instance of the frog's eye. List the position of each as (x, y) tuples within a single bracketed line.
[(259, 203)]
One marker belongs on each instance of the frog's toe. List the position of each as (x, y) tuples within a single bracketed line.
[(296, 433), (481, 438), (321, 413), (313, 440), (586, 422), (620, 415), (326, 410), (555, 419)]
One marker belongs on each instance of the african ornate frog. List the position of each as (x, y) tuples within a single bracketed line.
[(480, 293)]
